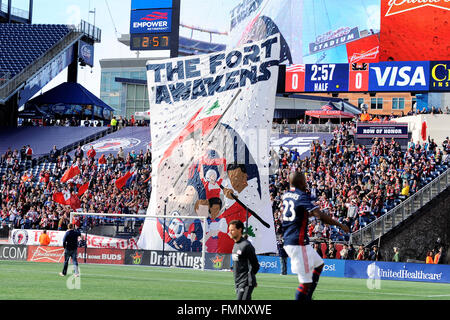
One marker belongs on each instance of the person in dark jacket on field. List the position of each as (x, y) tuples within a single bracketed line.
[(70, 244), (245, 262)]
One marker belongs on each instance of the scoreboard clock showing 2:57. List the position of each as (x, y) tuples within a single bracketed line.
[(326, 77)]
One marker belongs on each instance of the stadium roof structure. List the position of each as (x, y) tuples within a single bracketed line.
[(70, 94)]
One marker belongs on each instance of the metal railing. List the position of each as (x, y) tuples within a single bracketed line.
[(298, 128), (402, 211)]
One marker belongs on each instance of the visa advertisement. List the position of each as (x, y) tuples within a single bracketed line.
[(392, 76), (151, 20)]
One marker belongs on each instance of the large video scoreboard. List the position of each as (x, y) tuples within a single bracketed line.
[(154, 25), (392, 76)]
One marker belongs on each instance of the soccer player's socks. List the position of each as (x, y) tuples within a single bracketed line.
[(302, 294), (316, 275)]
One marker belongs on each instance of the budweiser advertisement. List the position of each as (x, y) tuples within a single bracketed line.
[(414, 30), (45, 254)]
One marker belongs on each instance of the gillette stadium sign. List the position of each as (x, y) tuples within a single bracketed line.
[(150, 21)]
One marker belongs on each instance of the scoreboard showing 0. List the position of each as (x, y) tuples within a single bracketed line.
[(326, 77), (150, 42)]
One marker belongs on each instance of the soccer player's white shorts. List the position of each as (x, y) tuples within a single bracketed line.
[(303, 261)]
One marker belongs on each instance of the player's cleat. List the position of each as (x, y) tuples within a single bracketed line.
[(62, 274)]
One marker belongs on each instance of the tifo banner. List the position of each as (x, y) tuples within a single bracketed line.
[(13, 252), (31, 237), (211, 120), (414, 30)]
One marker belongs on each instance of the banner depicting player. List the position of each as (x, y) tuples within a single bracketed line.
[(211, 120)]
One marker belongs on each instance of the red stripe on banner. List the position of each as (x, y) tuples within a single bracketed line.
[(305, 259)]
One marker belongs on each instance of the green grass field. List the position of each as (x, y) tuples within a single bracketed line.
[(40, 281)]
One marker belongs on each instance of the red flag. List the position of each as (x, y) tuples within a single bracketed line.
[(70, 173), (62, 197), (423, 133), (122, 181), (83, 188)]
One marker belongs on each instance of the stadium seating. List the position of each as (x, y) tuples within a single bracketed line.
[(21, 44)]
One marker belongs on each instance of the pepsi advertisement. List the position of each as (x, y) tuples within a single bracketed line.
[(326, 77), (399, 76), (151, 21)]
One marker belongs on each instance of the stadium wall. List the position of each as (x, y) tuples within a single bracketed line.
[(418, 234)]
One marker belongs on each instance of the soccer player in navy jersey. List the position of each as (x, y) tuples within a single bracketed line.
[(305, 261)]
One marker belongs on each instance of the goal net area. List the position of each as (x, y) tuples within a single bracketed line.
[(180, 241)]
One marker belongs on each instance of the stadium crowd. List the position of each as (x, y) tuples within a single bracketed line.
[(116, 122), (356, 184), (27, 202)]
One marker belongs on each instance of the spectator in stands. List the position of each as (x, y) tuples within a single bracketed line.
[(439, 257), (91, 154), (79, 153), (375, 254), (114, 123), (318, 249), (361, 253), (29, 153), (429, 259), (331, 251), (54, 154), (351, 252), (344, 252)]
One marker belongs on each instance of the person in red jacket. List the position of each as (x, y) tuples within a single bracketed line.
[(91, 154)]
